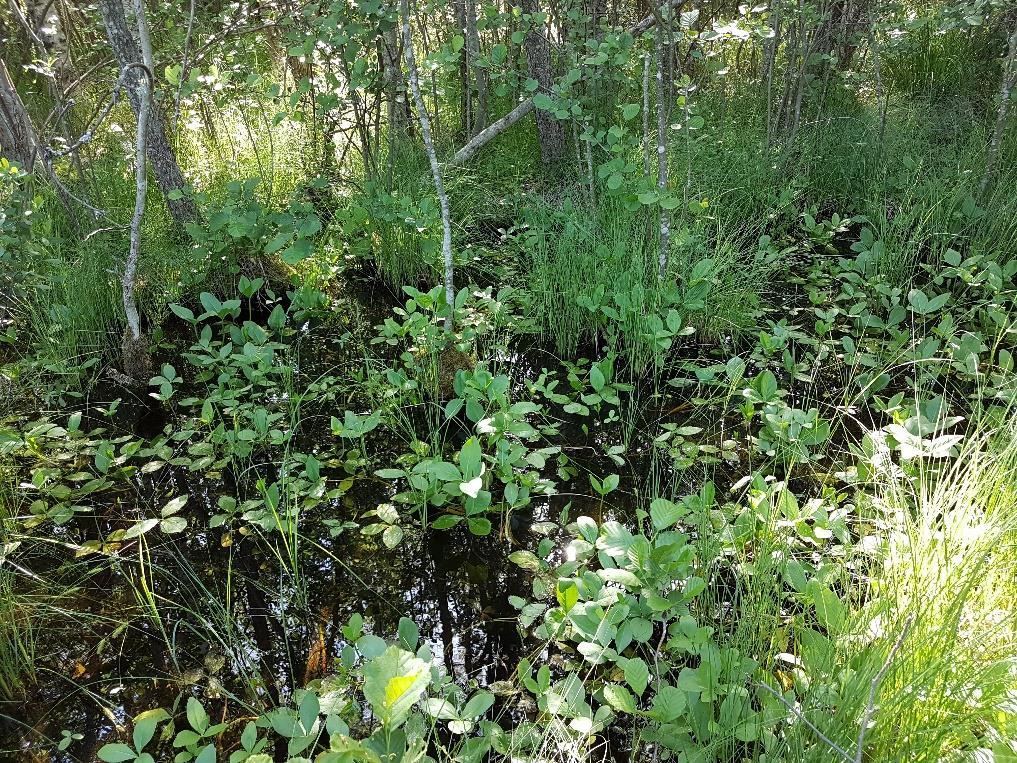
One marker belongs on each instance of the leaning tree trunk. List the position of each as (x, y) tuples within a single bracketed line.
[(538, 58), (158, 149), (20, 141)]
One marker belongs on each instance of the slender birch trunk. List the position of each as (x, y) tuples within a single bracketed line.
[(157, 145), (439, 186), (646, 115), (662, 120), (135, 349)]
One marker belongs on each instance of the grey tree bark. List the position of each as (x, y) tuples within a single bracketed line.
[(1009, 76), (466, 96), (439, 186), (662, 165), (134, 348), (479, 72), (158, 148), (538, 59), (18, 139)]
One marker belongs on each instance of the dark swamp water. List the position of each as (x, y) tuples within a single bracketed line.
[(219, 615), (215, 614)]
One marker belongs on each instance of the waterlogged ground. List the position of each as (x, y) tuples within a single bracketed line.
[(211, 610), (217, 611)]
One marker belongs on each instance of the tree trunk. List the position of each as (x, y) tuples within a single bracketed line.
[(479, 72), (135, 358), (662, 167), (538, 59), (466, 81), (495, 129), (1009, 75), (18, 140), (160, 152), (439, 186)]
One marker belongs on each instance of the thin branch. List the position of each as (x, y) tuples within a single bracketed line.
[(184, 69), (800, 716), (479, 140), (870, 707)]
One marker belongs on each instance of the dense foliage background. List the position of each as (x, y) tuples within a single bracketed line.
[(561, 380)]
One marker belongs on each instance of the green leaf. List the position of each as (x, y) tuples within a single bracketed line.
[(409, 634), (140, 528), (611, 483), (210, 303), (371, 646), (393, 682), (446, 521), (182, 312), (116, 753), (278, 242), (637, 674), (172, 525), (308, 710), (597, 379), (392, 536), (664, 513), (525, 559), (630, 110), (470, 458), (668, 704), (186, 738), (144, 726), (299, 250), (479, 526), (620, 698), (543, 102), (175, 505), (196, 715), (479, 704), (624, 577)]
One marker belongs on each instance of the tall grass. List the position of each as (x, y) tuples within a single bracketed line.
[(945, 590)]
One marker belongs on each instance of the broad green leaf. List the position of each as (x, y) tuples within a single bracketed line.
[(174, 506), (196, 715), (172, 525), (479, 704), (620, 698), (525, 559), (637, 674), (393, 682), (116, 753)]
